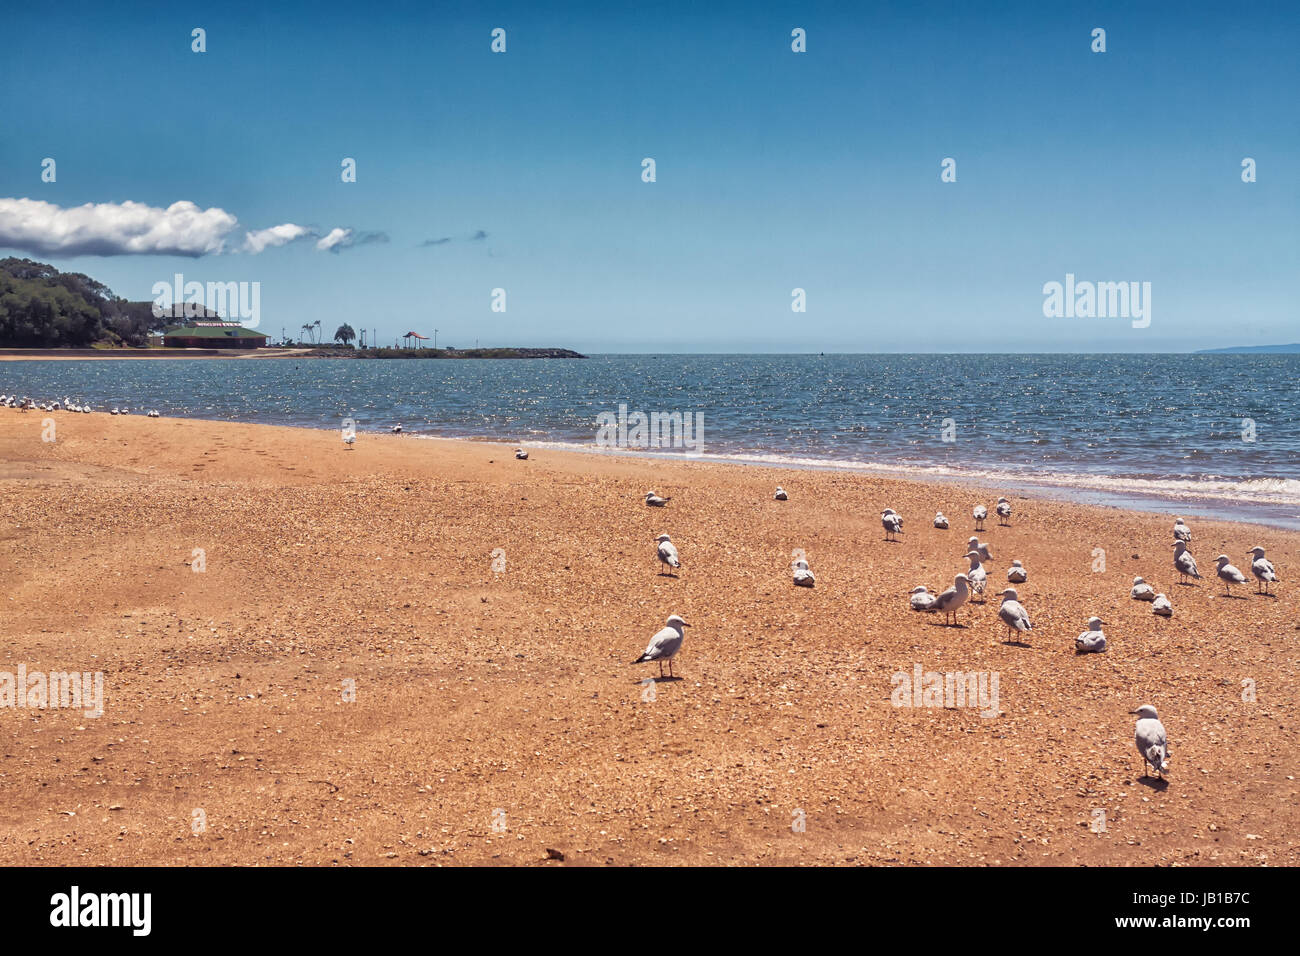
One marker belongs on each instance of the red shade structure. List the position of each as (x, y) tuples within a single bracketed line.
[(414, 335)]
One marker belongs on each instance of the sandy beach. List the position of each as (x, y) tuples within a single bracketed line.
[(496, 716), (104, 355)]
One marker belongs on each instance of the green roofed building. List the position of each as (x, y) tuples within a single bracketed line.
[(212, 335)]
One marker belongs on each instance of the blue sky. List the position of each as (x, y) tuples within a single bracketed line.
[(775, 170)]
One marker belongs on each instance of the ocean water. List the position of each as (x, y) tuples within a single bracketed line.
[(1161, 432)]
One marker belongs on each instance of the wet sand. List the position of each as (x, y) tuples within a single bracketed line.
[(496, 714)]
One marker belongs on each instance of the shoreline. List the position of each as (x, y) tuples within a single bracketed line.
[(1283, 515), (80, 355)]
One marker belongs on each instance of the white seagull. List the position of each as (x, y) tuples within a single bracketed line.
[(349, 440), (667, 552), (1181, 531), (780, 494), (1228, 574), (665, 645), (1262, 568), (1013, 614), (1142, 591), (1091, 641), (953, 598), (396, 429), (1152, 743), (975, 544), (976, 576), (1184, 563), (802, 576), (892, 522), (652, 500), (521, 455), (979, 513), (940, 521), (1017, 574), (922, 599), (1162, 606), (1004, 511)]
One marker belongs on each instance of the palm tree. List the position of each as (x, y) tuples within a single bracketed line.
[(307, 328), (345, 334), (317, 325)]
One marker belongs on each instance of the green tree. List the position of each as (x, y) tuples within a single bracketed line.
[(345, 334)]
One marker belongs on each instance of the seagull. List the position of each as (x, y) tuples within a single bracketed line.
[(115, 412), (1004, 511), (1017, 574), (1142, 591), (953, 598), (667, 552), (349, 440), (980, 513), (922, 599), (892, 522), (1262, 568), (940, 521), (802, 576), (976, 576), (1228, 574), (521, 455), (1152, 743), (780, 494), (975, 544), (396, 429), (1184, 563), (665, 645), (1013, 614), (654, 501), (1181, 531), (153, 413), (1162, 606), (1091, 641)]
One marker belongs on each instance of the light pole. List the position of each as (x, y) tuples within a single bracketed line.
[(435, 340)]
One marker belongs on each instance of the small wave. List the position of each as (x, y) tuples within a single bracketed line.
[(1265, 491)]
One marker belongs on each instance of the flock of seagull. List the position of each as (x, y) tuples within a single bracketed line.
[(1150, 736), (26, 404)]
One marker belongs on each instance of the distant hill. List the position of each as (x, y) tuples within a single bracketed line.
[(41, 307), (1248, 349)]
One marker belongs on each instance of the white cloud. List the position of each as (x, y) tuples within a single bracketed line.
[(340, 238), (259, 239), (113, 229), (335, 239)]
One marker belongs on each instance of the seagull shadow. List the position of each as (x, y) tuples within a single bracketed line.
[(1016, 644), (944, 624), (1155, 783), (658, 680), (1188, 584), (1236, 597), (668, 574), (1267, 594)]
